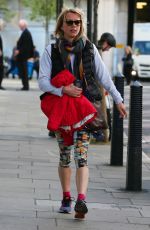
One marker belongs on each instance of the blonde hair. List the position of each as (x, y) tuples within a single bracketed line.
[(58, 31), (128, 50)]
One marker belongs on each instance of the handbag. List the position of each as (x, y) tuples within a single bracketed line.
[(92, 89), (95, 97), (99, 122)]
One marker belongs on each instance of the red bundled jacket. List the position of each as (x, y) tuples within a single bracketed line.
[(66, 113)]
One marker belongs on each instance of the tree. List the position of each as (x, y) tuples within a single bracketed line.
[(2, 5), (2, 13), (76, 2), (43, 10), (5, 13)]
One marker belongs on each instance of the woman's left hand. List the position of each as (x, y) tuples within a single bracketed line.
[(72, 90), (122, 110)]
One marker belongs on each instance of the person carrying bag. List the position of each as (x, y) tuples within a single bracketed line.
[(71, 52)]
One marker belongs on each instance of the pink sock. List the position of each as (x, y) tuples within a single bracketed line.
[(66, 194), (81, 196)]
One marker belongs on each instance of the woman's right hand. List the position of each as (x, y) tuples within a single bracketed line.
[(72, 90), (122, 110)]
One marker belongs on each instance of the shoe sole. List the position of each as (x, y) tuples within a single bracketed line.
[(65, 211), (79, 215), (80, 210)]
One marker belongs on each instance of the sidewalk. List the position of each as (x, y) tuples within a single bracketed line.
[(30, 192)]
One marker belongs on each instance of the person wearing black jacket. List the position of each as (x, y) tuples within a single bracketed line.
[(23, 53), (127, 64), (105, 43), (1, 64)]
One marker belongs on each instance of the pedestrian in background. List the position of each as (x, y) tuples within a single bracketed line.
[(33, 64), (23, 53), (36, 56), (71, 50), (106, 42), (13, 65), (1, 64), (127, 64)]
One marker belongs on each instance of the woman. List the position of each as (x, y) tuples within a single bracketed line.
[(127, 64), (69, 52)]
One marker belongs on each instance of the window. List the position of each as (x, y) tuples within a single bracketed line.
[(142, 47)]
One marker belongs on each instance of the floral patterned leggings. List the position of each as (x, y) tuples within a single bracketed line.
[(80, 147)]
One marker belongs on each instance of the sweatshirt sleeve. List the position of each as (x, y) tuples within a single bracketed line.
[(44, 79), (103, 77)]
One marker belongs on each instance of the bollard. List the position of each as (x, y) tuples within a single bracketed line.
[(116, 157), (134, 150)]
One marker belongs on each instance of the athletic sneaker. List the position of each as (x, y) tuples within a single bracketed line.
[(66, 205), (80, 209)]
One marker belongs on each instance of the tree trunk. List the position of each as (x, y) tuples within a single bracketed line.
[(46, 32), (89, 18), (96, 2), (59, 6)]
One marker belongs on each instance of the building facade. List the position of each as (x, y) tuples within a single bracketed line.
[(112, 17)]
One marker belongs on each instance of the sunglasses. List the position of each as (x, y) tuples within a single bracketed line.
[(71, 22)]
